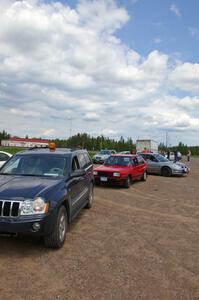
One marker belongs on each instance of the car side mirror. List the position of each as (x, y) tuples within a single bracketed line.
[(78, 173)]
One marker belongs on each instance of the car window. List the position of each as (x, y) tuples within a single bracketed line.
[(118, 161), (82, 160), (160, 158), (140, 160), (36, 165), (12, 165), (3, 157), (87, 158), (105, 152), (135, 161), (152, 158), (75, 164)]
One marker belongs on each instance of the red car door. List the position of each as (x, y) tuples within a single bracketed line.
[(141, 165), (135, 168)]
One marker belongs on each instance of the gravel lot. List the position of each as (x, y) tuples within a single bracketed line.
[(137, 243)]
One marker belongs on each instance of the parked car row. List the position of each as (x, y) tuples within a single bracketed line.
[(43, 190)]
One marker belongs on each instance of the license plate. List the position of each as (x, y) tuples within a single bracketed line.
[(103, 178)]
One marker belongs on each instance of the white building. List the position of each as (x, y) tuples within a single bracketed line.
[(22, 142), (147, 144)]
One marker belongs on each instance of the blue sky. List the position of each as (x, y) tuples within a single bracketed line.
[(154, 25), (108, 67)]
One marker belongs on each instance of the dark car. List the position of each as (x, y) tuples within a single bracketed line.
[(121, 169), (42, 190)]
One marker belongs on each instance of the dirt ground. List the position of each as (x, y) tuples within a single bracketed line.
[(137, 243)]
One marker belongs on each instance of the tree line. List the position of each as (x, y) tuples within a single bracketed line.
[(91, 143), (4, 135), (183, 148)]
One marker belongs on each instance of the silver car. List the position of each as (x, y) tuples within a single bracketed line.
[(101, 156), (158, 164)]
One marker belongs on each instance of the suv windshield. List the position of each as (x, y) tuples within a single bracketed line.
[(35, 165), (118, 161)]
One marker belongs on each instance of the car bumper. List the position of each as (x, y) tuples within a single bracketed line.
[(181, 172), (110, 180), (25, 225)]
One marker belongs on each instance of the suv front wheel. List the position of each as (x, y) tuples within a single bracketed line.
[(57, 237)]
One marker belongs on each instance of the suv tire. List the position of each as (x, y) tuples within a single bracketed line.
[(166, 172), (57, 237), (90, 197)]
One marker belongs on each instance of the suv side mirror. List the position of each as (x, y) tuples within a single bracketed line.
[(78, 173)]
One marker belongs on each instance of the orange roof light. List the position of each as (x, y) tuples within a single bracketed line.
[(52, 146)]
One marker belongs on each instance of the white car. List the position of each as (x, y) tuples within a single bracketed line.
[(172, 156), (101, 156), (4, 156)]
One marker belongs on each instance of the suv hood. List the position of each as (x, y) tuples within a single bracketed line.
[(25, 187)]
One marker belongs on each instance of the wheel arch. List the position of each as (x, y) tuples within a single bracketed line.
[(165, 167)]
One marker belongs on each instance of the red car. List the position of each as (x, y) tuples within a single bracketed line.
[(121, 169)]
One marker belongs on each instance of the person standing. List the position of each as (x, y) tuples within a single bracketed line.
[(175, 155), (168, 154), (188, 155)]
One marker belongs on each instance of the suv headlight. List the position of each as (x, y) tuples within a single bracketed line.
[(116, 174), (37, 206), (95, 173)]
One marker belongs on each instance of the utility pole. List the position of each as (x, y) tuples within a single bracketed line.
[(70, 126), (166, 139)]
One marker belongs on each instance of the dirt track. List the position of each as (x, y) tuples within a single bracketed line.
[(137, 243)]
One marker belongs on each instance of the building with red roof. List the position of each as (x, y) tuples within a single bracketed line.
[(24, 142)]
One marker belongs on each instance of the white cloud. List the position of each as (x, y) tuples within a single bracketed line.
[(60, 66), (186, 77), (175, 10), (48, 133)]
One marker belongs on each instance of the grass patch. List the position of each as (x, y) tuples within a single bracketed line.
[(11, 150)]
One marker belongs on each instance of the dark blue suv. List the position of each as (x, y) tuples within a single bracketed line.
[(42, 190)]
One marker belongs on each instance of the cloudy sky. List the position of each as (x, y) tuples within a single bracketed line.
[(106, 67)]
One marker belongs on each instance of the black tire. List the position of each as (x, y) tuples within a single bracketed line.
[(57, 237), (127, 182), (144, 176), (90, 197), (166, 172)]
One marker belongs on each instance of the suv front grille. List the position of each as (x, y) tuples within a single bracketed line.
[(9, 208)]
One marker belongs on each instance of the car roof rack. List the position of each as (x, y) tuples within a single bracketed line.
[(37, 148)]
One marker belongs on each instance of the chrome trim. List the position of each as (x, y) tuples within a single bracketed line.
[(86, 169), (11, 207), (80, 196)]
